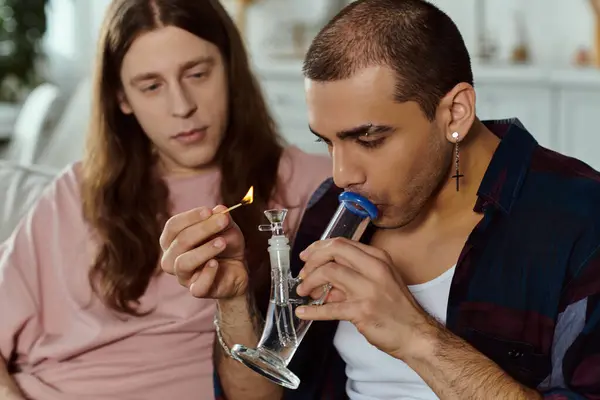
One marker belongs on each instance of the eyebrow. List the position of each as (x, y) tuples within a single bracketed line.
[(356, 132), (185, 66)]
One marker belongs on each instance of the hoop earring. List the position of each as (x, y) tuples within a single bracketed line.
[(457, 175)]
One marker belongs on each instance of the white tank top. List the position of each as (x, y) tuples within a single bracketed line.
[(375, 375)]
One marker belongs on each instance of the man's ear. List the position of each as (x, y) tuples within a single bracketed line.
[(124, 103), (460, 115)]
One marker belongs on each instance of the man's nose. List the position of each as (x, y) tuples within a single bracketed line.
[(182, 104), (346, 171)]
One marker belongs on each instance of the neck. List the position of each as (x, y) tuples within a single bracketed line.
[(476, 152), (170, 169)]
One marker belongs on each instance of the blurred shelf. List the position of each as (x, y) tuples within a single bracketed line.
[(285, 66)]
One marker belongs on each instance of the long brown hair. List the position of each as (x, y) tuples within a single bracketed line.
[(124, 199)]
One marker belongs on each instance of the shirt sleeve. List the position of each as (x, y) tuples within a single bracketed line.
[(576, 345), (20, 281), (219, 394), (313, 178)]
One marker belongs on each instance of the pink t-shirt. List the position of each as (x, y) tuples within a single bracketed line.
[(69, 346)]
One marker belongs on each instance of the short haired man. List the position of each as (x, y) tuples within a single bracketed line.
[(480, 278)]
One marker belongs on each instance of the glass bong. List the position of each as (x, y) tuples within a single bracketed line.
[(283, 331)]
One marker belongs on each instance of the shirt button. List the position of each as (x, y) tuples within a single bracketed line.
[(515, 353)]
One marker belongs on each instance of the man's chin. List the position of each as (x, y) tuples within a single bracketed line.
[(385, 225), (198, 160), (389, 222)]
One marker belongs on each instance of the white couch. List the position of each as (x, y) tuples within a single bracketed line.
[(58, 137), (65, 143), (20, 186)]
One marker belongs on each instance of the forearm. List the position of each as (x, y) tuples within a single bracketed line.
[(240, 324), (8, 387), (455, 370)]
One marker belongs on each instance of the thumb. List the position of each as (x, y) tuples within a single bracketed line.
[(219, 208)]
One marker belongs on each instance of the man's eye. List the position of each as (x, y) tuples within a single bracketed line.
[(198, 75), (371, 144), (150, 88)]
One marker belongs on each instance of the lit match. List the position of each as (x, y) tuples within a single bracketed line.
[(248, 199)]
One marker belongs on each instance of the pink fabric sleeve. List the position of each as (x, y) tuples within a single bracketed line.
[(301, 173), (20, 263)]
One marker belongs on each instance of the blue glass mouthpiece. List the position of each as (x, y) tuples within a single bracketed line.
[(358, 205)]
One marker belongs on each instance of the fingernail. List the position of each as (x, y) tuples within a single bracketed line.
[(299, 289), (204, 213), (213, 264), (301, 310), (218, 243), (223, 221), (305, 253), (219, 207), (192, 288)]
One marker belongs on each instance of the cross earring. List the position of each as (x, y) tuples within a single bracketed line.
[(457, 175)]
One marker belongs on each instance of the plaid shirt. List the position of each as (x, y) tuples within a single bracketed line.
[(526, 289)]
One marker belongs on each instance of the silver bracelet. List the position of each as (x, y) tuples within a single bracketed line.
[(220, 337)]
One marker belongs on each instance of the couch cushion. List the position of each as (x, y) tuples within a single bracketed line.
[(66, 143), (20, 186)]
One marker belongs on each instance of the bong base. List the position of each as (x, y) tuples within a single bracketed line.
[(267, 365)]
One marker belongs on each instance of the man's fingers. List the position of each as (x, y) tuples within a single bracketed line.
[(199, 233), (367, 260), (333, 296), (202, 284), (179, 222), (340, 311), (178, 226), (191, 237), (375, 252), (219, 279), (318, 293), (321, 244), (219, 208), (339, 276), (313, 247), (186, 264), (320, 255)]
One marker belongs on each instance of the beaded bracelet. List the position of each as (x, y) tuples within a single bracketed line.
[(220, 336)]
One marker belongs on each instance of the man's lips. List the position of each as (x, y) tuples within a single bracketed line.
[(191, 136)]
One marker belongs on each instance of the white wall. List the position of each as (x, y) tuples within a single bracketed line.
[(70, 40), (556, 28), (60, 41)]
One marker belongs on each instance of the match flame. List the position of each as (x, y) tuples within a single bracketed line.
[(249, 197)]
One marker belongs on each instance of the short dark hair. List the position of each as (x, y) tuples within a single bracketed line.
[(413, 37)]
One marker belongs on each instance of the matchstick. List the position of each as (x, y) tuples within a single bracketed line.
[(248, 198), (232, 208)]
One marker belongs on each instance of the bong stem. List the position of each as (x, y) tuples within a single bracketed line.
[(284, 313)]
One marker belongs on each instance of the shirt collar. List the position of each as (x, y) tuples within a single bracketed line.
[(509, 165)]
